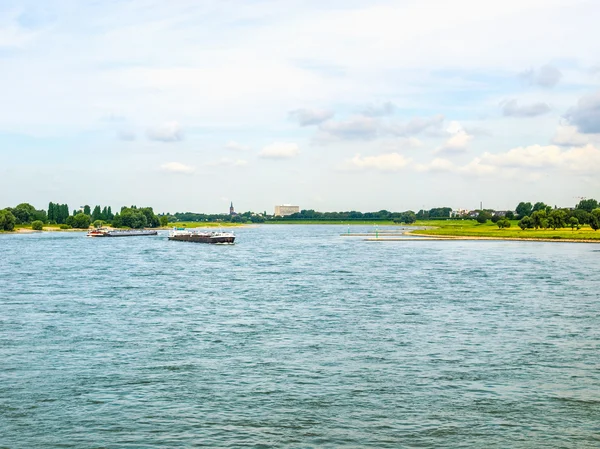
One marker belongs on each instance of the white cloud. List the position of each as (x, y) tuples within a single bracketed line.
[(178, 168), (523, 160), (279, 150), (354, 128), (458, 140), (428, 125), (511, 108), (568, 136), (307, 117), (166, 132), (235, 146), (389, 162), (576, 159)]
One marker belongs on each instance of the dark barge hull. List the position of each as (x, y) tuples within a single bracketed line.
[(202, 239)]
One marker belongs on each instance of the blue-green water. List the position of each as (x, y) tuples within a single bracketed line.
[(297, 337)]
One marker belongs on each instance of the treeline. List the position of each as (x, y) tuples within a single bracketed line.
[(542, 216), (312, 215), (58, 214), (243, 217)]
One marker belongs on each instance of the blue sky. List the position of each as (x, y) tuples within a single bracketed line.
[(365, 105)]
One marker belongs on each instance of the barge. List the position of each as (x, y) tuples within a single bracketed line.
[(103, 232), (188, 235)]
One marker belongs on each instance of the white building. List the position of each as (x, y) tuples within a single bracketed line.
[(286, 209)]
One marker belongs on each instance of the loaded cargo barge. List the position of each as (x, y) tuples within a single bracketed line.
[(120, 233), (186, 235)]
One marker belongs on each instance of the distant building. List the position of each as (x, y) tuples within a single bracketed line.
[(232, 210), (286, 209), (459, 213)]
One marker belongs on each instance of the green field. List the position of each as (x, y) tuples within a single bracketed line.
[(470, 228)]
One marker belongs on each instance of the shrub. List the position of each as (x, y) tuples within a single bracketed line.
[(65, 226), (37, 225)]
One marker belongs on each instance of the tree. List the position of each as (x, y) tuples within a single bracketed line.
[(524, 209), (573, 223), (86, 210), (556, 219), (582, 216), (587, 205), (510, 215), (539, 206), (595, 219), (109, 214), (104, 214), (37, 225), (525, 223), (98, 223), (538, 218), (7, 220), (483, 216), (24, 213), (496, 218), (97, 214), (51, 213), (164, 221), (81, 221), (504, 223)]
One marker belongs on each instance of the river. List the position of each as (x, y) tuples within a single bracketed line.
[(296, 337)]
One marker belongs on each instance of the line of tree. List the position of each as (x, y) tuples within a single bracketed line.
[(57, 213), (542, 216), (25, 213)]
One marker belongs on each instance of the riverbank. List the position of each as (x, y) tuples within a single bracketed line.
[(471, 230)]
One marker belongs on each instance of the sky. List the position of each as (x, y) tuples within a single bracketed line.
[(188, 105)]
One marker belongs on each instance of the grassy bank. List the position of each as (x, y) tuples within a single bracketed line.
[(470, 228)]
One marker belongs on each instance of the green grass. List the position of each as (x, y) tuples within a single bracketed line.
[(470, 228)]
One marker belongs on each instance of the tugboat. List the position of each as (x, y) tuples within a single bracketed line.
[(188, 235), (103, 232)]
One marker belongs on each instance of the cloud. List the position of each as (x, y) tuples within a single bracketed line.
[(308, 117), (568, 136), (355, 128), (523, 160), (429, 125), (166, 132), (226, 161), (511, 108), (458, 140), (234, 146), (389, 162), (586, 115), (546, 76), (178, 168), (127, 135), (279, 150), (380, 110)]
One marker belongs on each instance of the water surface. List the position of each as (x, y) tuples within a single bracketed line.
[(297, 337)]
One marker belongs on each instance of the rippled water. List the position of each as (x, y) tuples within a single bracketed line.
[(297, 337)]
